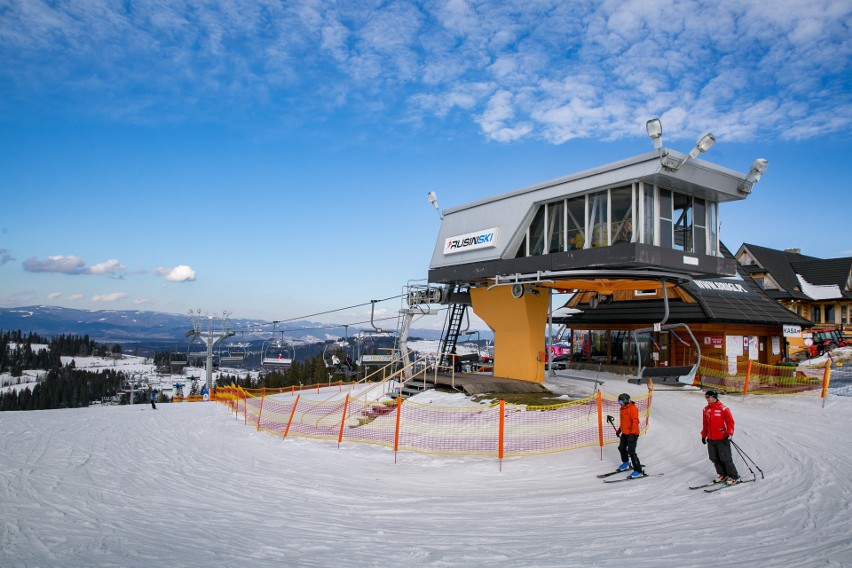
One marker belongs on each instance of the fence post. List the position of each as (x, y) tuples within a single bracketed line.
[(501, 433), (396, 433), (292, 412), (826, 379), (259, 412), (748, 377), (650, 400), (343, 420), (600, 422)]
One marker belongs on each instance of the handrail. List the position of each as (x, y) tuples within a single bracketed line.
[(364, 380)]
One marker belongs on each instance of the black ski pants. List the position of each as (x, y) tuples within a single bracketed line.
[(627, 449), (720, 454)]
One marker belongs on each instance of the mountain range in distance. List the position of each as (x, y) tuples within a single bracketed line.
[(128, 327)]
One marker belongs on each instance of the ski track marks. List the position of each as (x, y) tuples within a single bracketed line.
[(188, 485)]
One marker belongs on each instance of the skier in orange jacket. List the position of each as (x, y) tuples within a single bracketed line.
[(628, 431), (716, 431)]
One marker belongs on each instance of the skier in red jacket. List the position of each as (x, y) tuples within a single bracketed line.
[(716, 431)]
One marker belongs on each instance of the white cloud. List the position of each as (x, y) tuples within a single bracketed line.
[(74, 297), (71, 265), (5, 256), (140, 301), (54, 296), (180, 273), (63, 264), (638, 57), (110, 266), (113, 297)]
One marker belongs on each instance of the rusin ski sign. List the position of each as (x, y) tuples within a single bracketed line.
[(485, 238)]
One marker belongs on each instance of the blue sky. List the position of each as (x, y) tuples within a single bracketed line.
[(272, 159)]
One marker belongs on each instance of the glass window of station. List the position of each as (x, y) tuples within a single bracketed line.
[(635, 213)]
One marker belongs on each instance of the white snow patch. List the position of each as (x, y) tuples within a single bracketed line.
[(188, 485)]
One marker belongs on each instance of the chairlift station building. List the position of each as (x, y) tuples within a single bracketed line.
[(649, 223)]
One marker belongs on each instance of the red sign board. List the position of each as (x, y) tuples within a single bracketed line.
[(714, 341)]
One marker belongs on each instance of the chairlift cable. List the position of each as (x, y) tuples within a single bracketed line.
[(340, 309)]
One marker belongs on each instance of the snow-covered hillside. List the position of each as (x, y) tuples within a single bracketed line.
[(188, 485)]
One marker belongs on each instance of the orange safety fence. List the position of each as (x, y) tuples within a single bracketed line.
[(190, 398), (497, 430), (751, 377)]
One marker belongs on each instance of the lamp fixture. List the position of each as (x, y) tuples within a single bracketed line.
[(655, 132), (758, 168), (433, 199), (702, 145)]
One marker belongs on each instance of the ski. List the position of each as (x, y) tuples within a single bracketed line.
[(725, 485), (630, 478), (615, 472), (711, 484)]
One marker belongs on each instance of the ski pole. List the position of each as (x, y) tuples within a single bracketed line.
[(745, 456), (746, 459), (742, 457), (611, 421)]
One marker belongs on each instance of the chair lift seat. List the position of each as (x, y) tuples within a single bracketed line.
[(675, 375)]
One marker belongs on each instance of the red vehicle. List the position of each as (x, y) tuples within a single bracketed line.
[(825, 340)]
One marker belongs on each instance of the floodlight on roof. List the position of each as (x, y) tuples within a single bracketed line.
[(433, 199), (655, 132), (758, 168), (704, 143)]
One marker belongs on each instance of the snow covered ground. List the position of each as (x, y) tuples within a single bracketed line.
[(190, 485)]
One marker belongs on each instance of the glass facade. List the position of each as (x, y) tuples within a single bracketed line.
[(682, 216), (621, 201), (648, 214), (555, 226), (536, 234), (663, 217), (713, 240), (598, 226), (575, 211)]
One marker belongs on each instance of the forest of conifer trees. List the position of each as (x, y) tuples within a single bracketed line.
[(69, 387), (62, 387)]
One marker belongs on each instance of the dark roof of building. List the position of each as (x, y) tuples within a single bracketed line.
[(783, 266), (778, 264), (734, 300), (826, 272)]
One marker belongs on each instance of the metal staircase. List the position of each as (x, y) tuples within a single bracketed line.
[(455, 317)]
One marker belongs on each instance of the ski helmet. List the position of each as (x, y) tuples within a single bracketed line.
[(624, 398), (712, 393)]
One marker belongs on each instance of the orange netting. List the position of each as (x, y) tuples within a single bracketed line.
[(494, 430), (750, 377), (498, 429)]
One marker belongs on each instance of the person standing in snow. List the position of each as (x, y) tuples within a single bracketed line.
[(153, 397), (628, 432), (717, 428)]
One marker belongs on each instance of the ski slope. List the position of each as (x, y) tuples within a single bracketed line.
[(190, 485)]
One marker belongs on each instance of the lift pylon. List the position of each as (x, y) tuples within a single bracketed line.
[(209, 330)]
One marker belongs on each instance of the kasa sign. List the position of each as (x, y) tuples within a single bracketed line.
[(486, 238)]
